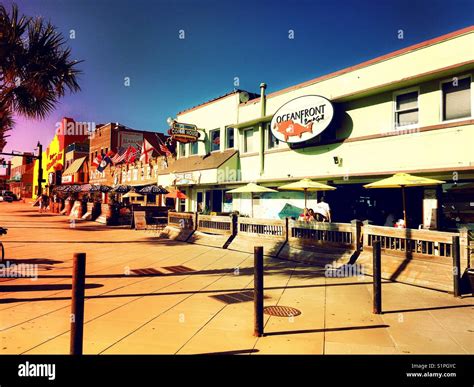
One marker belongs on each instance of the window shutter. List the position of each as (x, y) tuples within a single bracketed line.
[(457, 99)]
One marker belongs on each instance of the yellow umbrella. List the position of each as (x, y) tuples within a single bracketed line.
[(306, 185), (402, 180), (132, 195), (251, 188)]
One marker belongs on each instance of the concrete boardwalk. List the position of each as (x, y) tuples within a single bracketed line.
[(198, 299)]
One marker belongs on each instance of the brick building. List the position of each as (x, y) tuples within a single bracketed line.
[(21, 179), (111, 137)]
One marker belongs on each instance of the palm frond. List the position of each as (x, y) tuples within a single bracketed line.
[(36, 67)]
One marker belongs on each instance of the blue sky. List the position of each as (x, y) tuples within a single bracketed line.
[(223, 39)]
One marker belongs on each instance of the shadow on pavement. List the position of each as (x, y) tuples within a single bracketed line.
[(235, 352), (128, 295), (430, 308), (296, 332), (32, 261), (42, 288)]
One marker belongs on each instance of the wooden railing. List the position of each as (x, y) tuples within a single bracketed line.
[(183, 220), (263, 227), (409, 241), (222, 225), (344, 235)]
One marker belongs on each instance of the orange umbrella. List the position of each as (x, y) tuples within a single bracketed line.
[(176, 194)]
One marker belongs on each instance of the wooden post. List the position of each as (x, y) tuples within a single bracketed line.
[(356, 234), (77, 306), (456, 267), (404, 207), (258, 291), (464, 247), (377, 274), (365, 233), (233, 227)]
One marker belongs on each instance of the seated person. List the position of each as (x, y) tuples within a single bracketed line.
[(304, 215)]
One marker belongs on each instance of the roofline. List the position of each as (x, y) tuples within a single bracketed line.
[(370, 62), (235, 151), (212, 101), (128, 129)]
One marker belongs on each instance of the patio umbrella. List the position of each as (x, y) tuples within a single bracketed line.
[(251, 188), (306, 185), (59, 188), (86, 188), (153, 189), (402, 180), (121, 189), (176, 194), (132, 195), (100, 188)]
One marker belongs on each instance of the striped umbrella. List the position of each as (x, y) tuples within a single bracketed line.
[(153, 189), (122, 189)]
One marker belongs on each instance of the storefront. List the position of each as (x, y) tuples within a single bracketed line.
[(139, 175), (345, 129), (53, 158), (200, 179), (77, 172)]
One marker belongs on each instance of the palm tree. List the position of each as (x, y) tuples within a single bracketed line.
[(36, 68)]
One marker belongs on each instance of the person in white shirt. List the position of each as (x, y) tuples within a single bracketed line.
[(323, 208)]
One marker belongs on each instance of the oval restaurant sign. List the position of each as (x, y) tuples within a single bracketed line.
[(302, 119), (184, 132)]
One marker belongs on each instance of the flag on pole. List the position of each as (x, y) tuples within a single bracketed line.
[(106, 160), (147, 150), (131, 154), (97, 160), (163, 147), (119, 156), (165, 150)]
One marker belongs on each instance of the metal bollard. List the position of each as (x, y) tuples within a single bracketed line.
[(456, 267), (77, 303), (377, 273), (258, 291)]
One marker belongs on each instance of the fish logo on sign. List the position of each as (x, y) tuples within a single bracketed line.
[(302, 119), (291, 129)]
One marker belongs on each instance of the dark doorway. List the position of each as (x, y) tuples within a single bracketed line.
[(217, 200)]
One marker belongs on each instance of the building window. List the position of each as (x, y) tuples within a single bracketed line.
[(406, 109), (456, 98), (193, 148), (272, 141), (182, 149), (215, 138), (248, 140), (229, 138)]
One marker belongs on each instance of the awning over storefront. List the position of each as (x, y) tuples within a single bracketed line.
[(69, 175), (200, 169), (74, 167)]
